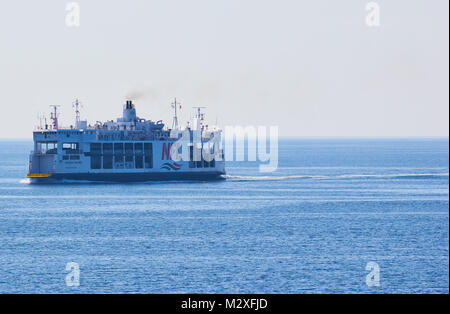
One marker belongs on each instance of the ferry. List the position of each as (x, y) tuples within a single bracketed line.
[(130, 149)]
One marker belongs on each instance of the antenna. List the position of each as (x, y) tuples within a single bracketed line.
[(39, 118), (175, 104), (77, 104), (42, 118), (198, 119), (199, 114), (198, 108), (54, 116)]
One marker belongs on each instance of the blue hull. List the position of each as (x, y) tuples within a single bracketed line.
[(131, 177)]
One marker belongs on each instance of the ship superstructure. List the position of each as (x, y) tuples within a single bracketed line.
[(128, 149)]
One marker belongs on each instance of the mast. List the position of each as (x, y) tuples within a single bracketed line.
[(41, 118), (54, 116), (198, 118), (76, 104), (175, 104)]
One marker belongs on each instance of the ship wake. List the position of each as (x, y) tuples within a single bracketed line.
[(334, 177)]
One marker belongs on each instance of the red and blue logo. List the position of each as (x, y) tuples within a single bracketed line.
[(166, 155)]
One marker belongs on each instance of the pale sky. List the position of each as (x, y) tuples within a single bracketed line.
[(313, 68)]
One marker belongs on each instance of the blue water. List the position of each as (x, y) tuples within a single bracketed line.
[(310, 227)]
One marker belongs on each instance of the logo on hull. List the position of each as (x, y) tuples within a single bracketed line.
[(169, 166), (166, 155)]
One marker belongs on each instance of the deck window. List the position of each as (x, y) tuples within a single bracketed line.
[(148, 155), (119, 162), (107, 161), (148, 160), (96, 149), (129, 161), (191, 157), (118, 156), (118, 148), (148, 148), (71, 148), (138, 148), (107, 148), (47, 147), (128, 148), (139, 162), (96, 162)]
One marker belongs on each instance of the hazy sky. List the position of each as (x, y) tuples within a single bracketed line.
[(314, 68)]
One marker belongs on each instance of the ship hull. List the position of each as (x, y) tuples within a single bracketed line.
[(130, 177)]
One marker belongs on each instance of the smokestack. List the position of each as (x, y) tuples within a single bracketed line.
[(129, 104), (129, 113)]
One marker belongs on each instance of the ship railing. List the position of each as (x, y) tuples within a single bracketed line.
[(71, 127), (104, 137)]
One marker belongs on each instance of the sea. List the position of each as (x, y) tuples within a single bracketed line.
[(356, 215)]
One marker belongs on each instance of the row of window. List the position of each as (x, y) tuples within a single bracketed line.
[(71, 157), (202, 164), (121, 162), (121, 155), (121, 148), (47, 147)]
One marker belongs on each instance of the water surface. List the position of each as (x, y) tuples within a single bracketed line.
[(310, 227)]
